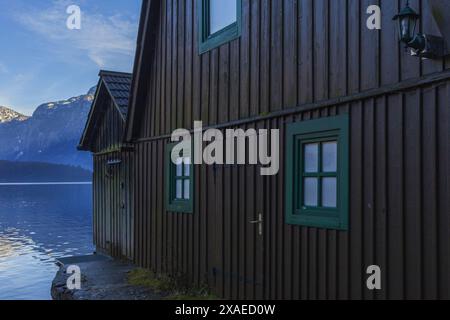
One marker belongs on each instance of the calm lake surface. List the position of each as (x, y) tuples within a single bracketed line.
[(39, 223)]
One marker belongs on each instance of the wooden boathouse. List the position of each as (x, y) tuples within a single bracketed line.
[(113, 166), (364, 147)]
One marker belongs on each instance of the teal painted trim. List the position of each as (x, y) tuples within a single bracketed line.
[(207, 41), (173, 205), (317, 130)]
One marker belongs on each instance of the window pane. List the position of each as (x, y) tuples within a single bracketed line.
[(311, 192), (179, 189), (329, 157), (222, 14), (329, 193), (312, 157), (187, 186), (187, 167), (179, 166)]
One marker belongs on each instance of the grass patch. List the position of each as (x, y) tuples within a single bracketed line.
[(172, 288), (147, 278)]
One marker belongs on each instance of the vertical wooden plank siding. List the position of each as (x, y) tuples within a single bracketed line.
[(113, 191), (113, 188), (393, 223), (293, 53)]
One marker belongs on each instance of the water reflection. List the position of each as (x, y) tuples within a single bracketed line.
[(37, 225)]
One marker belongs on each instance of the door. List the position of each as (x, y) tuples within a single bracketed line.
[(114, 212), (108, 195), (239, 218), (123, 212), (126, 226)]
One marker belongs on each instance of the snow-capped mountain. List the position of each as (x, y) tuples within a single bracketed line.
[(50, 135), (8, 115)]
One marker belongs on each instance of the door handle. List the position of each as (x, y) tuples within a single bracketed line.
[(259, 222)]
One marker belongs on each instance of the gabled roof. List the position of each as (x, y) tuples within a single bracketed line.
[(118, 85), (112, 85)]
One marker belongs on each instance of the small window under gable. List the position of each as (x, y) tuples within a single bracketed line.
[(317, 172), (219, 23)]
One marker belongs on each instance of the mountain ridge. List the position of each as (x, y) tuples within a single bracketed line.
[(7, 114), (50, 135)]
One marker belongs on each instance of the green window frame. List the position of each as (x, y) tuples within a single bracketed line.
[(179, 186), (311, 177), (208, 40)]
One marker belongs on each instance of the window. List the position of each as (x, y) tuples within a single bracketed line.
[(317, 173), (219, 22), (179, 183)]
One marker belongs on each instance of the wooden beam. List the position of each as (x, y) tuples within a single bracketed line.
[(373, 93)]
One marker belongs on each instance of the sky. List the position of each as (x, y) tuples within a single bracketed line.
[(41, 60)]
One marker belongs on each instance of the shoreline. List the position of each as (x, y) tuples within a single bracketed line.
[(102, 278)]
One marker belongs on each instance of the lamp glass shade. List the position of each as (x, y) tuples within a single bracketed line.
[(405, 29), (407, 22)]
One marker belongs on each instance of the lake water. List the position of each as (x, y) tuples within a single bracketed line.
[(39, 223)]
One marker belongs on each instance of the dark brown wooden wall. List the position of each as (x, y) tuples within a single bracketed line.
[(113, 219), (291, 52), (109, 131), (112, 186), (399, 212)]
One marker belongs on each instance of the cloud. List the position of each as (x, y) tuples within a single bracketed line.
[(105, 40)]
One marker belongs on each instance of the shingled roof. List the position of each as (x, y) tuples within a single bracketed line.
[(118, 85)]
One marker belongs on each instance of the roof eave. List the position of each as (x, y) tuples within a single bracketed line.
[(83, 146), (138, 60)]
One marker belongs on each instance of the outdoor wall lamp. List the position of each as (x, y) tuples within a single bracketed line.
[(422, 45)]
